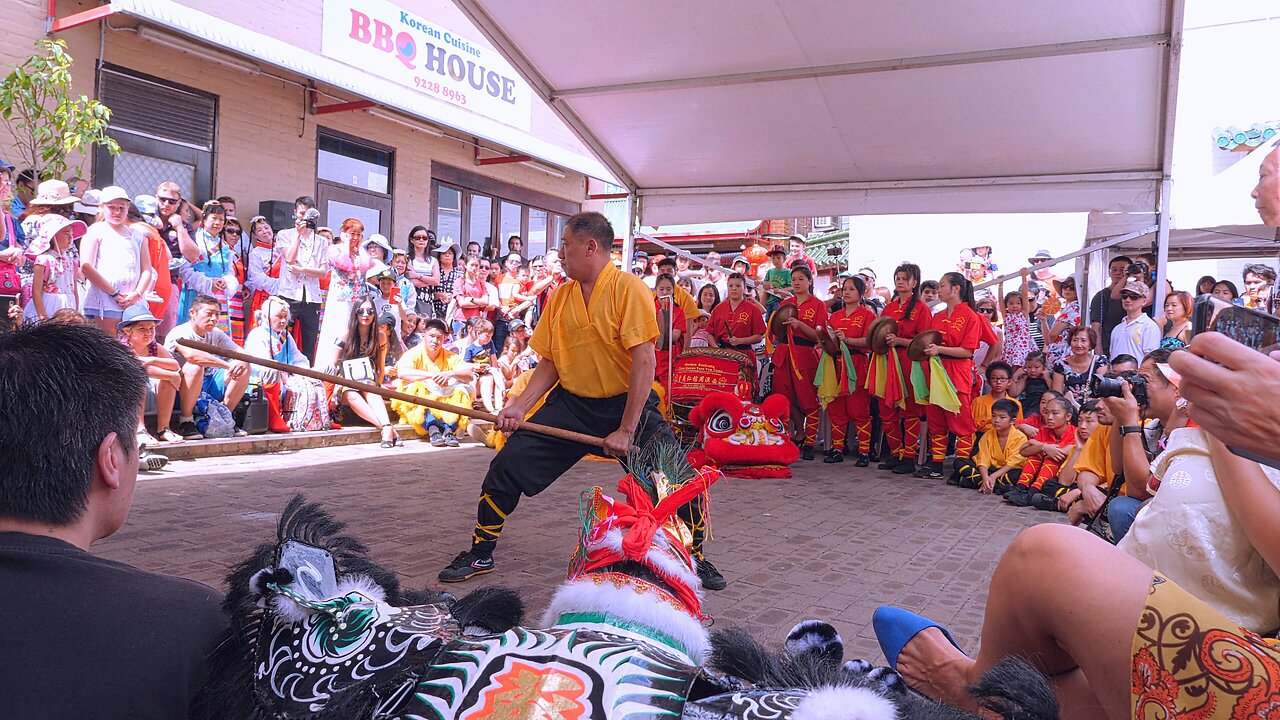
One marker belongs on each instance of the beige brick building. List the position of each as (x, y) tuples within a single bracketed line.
[(250, 98)]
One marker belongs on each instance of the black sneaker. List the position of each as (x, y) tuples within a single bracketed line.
[(1040, 501), (806, 452), (934, 470), (905, 467), (863, 461), (708, 574), (435, 437), (833, 456), (450, 440), (890, 464), (1018, 497), (188, 430), (466, 566), (954, 480), (967, 484)]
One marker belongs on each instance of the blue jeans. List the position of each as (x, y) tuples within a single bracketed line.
[(1120, 514)]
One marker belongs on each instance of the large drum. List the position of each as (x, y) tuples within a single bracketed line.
[(699, 371)]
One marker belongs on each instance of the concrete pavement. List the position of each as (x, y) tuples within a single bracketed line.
[(833, 543)]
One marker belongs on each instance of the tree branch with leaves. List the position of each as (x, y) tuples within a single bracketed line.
[(47, 121)]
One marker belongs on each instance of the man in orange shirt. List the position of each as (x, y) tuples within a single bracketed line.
[(596, 344)]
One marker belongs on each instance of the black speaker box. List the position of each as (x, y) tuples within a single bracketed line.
[(277, 212)]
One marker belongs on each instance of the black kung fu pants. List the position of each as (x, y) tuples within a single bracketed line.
[(529, 462)]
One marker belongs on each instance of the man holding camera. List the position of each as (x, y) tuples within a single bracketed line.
[(1149, 394), (305, 263)]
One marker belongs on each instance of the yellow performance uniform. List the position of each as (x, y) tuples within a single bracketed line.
[(455, 392), (992, 456), (591, 347), (1095, 457), (687, 303), (980, 407)]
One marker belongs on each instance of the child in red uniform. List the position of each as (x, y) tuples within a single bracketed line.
[(737, 323), (1047, 453), (962, 332), (795, 362), (902, 425), (850, 324), (669, 315)]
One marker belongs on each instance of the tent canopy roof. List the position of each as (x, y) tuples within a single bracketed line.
[(815, 108)]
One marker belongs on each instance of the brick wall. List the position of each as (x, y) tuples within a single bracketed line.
[(266, 141)]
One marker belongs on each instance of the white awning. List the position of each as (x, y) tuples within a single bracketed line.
[(759, 108), (696, 229), (277, 52)]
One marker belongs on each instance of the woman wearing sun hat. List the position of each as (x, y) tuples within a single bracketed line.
[(53, 285)]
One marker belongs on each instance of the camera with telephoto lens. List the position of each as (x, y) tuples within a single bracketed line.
[(1113, 386)]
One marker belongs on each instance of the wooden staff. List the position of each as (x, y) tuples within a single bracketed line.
[(554, 432)]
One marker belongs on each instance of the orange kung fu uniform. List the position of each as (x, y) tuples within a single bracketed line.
[(854, 404), (795, 364), (727, 321), (664, 355), (960, 328), (902, 425)]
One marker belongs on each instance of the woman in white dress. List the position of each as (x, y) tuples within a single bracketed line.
[(113, 261), (348, 264)]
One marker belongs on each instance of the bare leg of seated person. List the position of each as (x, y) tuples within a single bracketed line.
[(372, 410), (1061, 598)]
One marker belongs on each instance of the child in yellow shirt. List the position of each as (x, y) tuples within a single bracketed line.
[(997, 464)]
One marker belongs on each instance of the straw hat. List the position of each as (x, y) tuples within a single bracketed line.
[(54, 192)]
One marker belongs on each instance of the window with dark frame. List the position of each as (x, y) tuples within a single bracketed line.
[(474, 208)]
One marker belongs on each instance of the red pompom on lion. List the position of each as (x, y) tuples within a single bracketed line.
[(744, 439)]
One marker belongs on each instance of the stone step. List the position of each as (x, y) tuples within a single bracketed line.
[(273, 442)]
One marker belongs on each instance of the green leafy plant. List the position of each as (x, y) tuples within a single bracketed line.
[(47, 121)]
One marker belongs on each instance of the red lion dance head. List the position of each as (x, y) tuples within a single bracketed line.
[(744, 439)]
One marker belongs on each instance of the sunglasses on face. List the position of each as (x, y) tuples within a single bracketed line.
[(419, 237), (365, 312), (168, 200), (1130, 296), (987, 310)]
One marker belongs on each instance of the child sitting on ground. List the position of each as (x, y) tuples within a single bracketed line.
[(509, 360), (1033, 423), (1030, 382), (1061, 492), (1052, 448), (998, 463), (998, 376), (480, 355)]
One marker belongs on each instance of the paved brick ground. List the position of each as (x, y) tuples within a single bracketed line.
[(834, 542)]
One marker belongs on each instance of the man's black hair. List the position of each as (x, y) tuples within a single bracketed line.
[(63, 389), (1006, 406), (1120, 258), (306, 201), (667, 261), (1159, 356), (928, 285), (1000, 365), (1124, 358), (592, 225), (1266, 272)]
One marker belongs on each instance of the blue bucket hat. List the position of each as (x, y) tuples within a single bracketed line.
[(136, 313)]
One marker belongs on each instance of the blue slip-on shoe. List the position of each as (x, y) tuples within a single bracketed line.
[(894, 628)]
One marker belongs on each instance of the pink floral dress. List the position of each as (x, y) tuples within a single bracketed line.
[(1017, 339)]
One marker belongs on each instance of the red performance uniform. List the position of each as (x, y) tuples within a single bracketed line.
[(960, 328), (745, 320), (854, 405), (678, 323), (1041, 468), (902, 425), (795, 364)]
